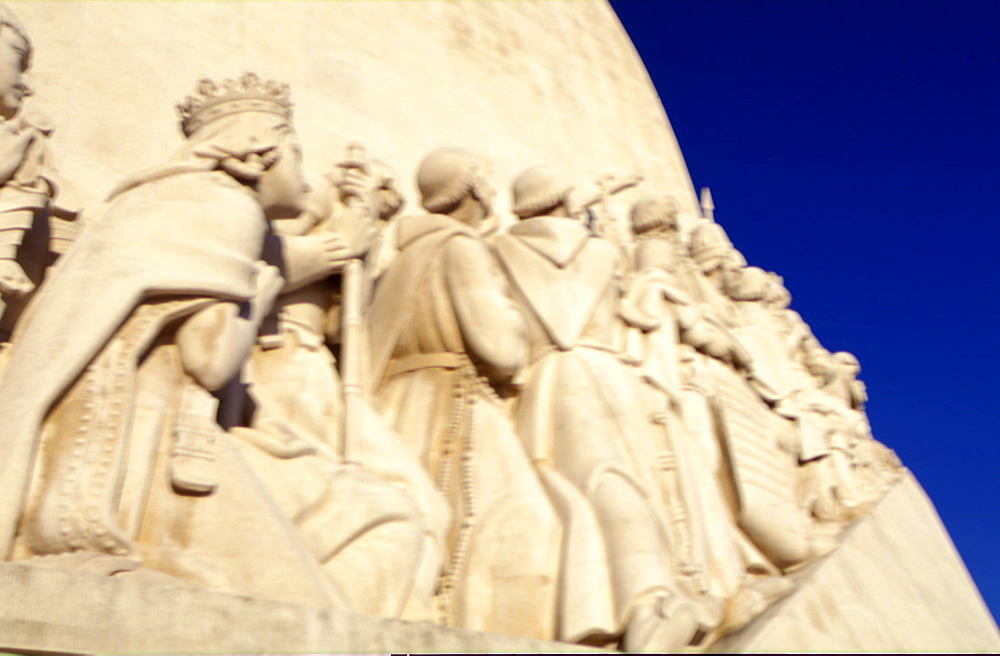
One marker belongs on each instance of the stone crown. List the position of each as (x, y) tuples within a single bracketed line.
[(248, 93)]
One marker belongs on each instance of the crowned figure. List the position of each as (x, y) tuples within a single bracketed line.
[(115, 463)]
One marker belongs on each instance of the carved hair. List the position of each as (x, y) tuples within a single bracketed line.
[(654, 216), (708, 241), (390, 200), (446, 176), (539, 190), (847, 359), (777, 293)]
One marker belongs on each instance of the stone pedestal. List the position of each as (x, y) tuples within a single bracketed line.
[(896, 584), (53, 611)]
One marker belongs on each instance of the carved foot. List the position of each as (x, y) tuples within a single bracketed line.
[(660, 624), (754, 598)]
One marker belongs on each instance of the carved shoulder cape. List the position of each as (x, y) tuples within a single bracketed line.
[(421, 239), (188, 234), (560, 270)]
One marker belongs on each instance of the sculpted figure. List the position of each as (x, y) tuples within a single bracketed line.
[(713, 563), (370, 523), (875, 466), (761, 445), (114, 461), (444, 335), (30, 189), (575, 414), (799, 370), (833, 429)]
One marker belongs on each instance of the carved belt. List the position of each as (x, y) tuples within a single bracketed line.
[(549, 349), (417, 361), (291, 333)]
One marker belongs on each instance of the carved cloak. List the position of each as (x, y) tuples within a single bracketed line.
[(441, 324), (575, 415), (184, 235)]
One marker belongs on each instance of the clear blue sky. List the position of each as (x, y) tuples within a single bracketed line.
[(854, 148)]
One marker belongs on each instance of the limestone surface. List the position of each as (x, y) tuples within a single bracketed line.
[(495, 378)]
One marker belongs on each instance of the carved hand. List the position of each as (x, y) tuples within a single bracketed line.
[(13, 281), (357, 186), (334, 250)]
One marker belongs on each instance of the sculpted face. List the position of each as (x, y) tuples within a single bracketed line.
[(13, 61), (282, 188)]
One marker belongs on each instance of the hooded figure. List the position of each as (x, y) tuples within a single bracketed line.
[(444, 333), (595, 455), (114, 458)]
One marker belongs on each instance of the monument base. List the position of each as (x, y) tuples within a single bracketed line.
[(895, 584), (51, 611)]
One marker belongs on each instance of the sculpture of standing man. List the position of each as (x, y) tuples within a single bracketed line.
[(574, 414), (444, 333)]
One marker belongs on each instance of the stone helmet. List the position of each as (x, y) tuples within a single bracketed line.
[(445, 176), (654, 215), (709, 241), (538, 190)]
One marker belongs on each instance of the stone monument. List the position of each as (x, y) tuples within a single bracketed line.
[(271, 394)]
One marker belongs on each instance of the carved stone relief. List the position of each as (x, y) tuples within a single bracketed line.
[(552, 429)]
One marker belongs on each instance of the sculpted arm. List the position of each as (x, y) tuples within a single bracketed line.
[(13, 148), (493, 330), (305, 259), (214, 341), (650, 302)]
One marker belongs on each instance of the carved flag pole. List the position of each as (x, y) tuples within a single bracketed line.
[(352, 330)]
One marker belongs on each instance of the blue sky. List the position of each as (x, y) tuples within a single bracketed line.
[(853, 148)]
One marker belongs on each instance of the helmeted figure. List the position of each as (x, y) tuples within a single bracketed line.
[(114, 460), (37, 208), (576, 415), (445, 335)]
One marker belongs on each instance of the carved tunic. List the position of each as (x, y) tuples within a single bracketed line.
[(594, 453), (706, 538), (442, 327)]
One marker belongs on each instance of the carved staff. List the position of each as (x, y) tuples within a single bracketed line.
[(352, 329)]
